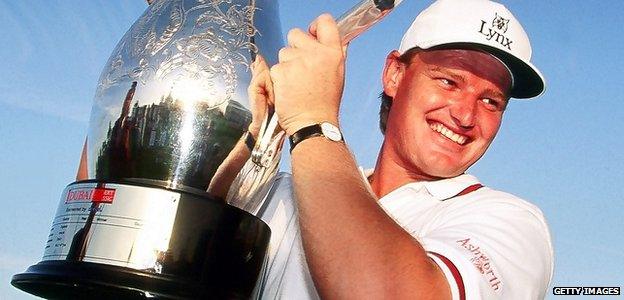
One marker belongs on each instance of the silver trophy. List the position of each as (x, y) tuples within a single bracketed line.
[(166, 145), (172, 181)]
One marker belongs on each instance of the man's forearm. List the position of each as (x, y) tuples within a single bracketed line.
[(228, 170), (352, 246)]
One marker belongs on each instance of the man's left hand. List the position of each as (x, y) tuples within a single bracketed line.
[(309, 78)]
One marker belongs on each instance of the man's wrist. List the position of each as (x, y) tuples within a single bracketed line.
[(254, 130), (292, 127), (323, 129), (249, 140)]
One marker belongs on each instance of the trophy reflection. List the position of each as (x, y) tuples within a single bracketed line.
[(177, 162)]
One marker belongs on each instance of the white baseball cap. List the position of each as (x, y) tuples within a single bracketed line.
[(483, 25)]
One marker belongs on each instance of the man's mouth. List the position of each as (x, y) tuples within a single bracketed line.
[(449, 134)]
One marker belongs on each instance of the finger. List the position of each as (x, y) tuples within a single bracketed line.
[(259, 65), (325, 30), (268, 84), (257, 85), (312, 28), (285, 54), (254, 65), (264, 80), (266, 94), (255, 88), (276, 72), (298, 38)]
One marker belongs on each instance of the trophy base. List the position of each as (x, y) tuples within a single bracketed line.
[(124, 241), (83, 280)]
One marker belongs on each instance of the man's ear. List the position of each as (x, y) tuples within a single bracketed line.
[(392, 73)]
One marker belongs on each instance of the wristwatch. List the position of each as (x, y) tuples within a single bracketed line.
[(249, 141), (325, 129)]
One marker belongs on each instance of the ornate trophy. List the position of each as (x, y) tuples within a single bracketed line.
[(165, 149), (171, 181)]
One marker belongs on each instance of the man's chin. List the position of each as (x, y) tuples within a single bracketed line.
[(444, 172), (445, 166), (448, 175)]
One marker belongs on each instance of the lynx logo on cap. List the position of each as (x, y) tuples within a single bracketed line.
[(500, 23), (496, 30)]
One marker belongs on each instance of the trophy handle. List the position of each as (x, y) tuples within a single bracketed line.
[(269, 140), (256, 176), (362, 16)]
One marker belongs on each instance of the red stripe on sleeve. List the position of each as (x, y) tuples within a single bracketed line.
[(456, 275)]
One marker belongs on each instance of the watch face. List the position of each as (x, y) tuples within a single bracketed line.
[(331, 132)]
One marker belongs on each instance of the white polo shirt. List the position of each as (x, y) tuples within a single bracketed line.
[(490, 244)]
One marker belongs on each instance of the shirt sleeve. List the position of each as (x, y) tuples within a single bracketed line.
[(287, 275), (493, 246)]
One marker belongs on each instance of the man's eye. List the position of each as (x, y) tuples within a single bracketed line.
[(492, 104), (447, 82)]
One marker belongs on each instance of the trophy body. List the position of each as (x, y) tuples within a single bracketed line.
[(169, 114)]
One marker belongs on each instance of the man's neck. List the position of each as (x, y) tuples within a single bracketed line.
[(390, 173)]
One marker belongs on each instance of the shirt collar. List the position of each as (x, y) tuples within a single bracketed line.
[(450, 187), (439, 189)]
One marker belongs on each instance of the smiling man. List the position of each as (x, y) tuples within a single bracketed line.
[(417, 226), (447, 106)]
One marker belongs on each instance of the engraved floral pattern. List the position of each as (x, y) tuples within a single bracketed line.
[(219, 40), (147, 37)]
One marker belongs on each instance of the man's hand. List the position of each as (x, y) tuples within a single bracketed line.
[(260, 93), (309, 78)]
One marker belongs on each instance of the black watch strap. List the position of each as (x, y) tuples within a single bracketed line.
[(305, 133), (250, 141), (324, 129)]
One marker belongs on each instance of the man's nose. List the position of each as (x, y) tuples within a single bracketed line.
[(463, 113)]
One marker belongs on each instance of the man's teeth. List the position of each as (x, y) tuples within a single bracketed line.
[(443, 130)]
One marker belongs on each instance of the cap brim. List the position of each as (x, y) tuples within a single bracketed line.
[(528, 82)]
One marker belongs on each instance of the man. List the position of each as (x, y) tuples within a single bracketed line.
[(418, 227)]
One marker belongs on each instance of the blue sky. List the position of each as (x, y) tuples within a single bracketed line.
[(561, 151)]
